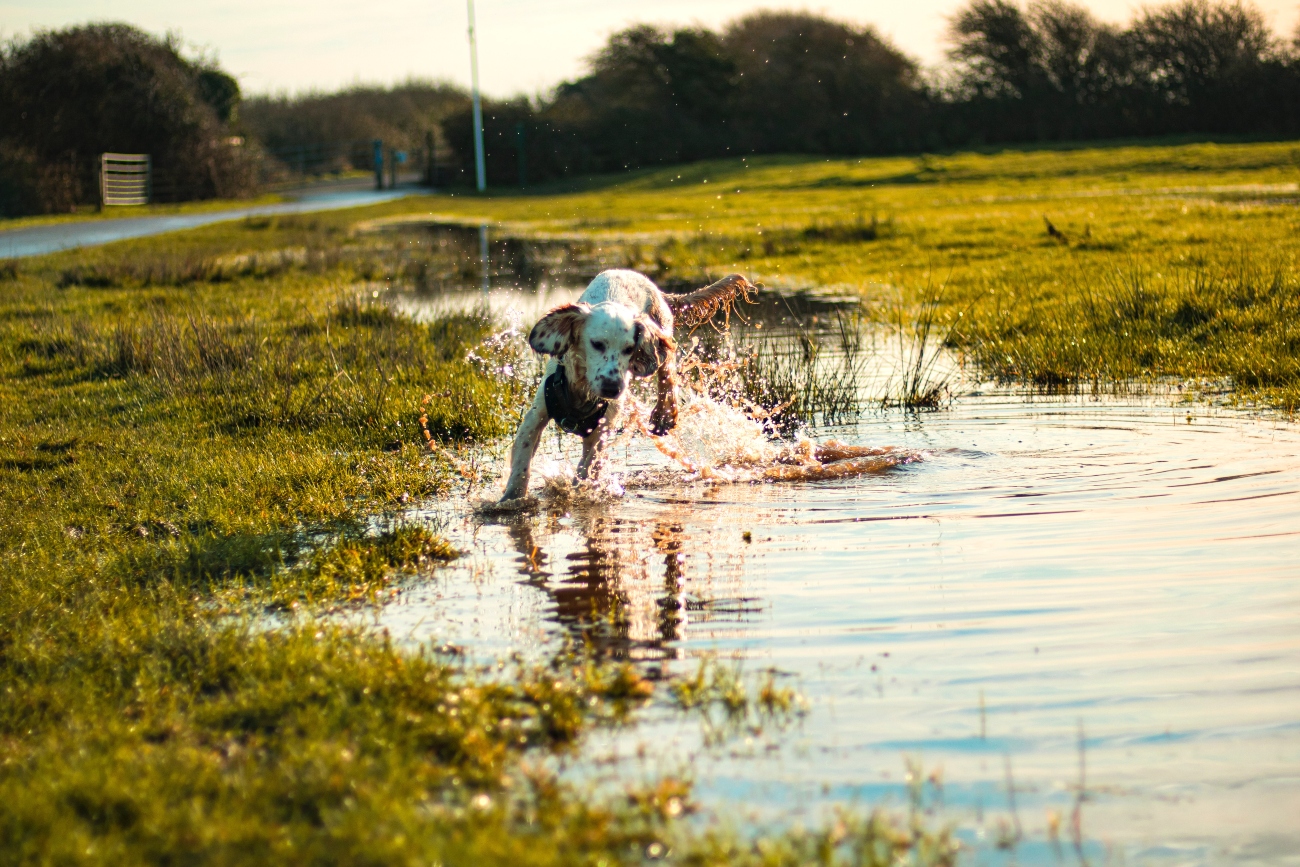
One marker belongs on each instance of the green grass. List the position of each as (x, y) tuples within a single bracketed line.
[(201, 433), (1177, 260)]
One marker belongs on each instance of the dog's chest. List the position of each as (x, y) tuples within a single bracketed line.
[(563, 406)]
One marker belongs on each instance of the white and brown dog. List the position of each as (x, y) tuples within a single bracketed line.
[(621, 327)]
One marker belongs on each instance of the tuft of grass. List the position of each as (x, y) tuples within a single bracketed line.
[(354, 570), (798, 382), (728, 703), (789, 378), (920, 385)]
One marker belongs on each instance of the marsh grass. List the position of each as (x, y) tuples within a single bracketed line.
[(789, 375), (1237, 319), (806, 378), (918, 383)]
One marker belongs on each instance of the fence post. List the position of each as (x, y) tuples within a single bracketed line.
[(430, 160), (379, 163)]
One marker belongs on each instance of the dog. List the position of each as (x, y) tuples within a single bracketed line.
[(621, 327)]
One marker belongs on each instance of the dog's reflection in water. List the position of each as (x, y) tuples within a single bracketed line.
[(624, 591)]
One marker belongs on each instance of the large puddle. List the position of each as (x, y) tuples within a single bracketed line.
[(1063, 595)]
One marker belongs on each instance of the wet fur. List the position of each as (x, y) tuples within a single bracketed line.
[(634, 321)]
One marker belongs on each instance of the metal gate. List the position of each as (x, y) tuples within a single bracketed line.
[(125, 179)]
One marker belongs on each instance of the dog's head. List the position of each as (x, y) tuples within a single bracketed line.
[(605, 344)]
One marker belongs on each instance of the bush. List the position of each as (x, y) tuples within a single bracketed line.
[(67, 96)]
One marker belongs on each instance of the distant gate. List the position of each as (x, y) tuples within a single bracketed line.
[(125, 179)]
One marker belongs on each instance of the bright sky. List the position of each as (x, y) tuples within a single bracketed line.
[(525, 46)]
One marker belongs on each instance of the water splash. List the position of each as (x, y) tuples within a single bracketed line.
[(721, 438)]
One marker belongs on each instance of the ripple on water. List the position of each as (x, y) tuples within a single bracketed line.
[(1050, 564)]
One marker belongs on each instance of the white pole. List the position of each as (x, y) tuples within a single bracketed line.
[(480, 170)]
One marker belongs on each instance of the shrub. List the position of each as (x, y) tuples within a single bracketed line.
[(67, 96)]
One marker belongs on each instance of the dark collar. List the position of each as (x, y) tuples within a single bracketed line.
[(560, 405)]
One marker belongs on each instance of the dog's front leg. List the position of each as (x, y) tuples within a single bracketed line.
[(525, 446), (663, 417), (593, 443)]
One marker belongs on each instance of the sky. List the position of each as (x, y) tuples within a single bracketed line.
[(525, 46)]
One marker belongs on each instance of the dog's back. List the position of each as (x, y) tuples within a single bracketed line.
[(631, 289), (689, 309)]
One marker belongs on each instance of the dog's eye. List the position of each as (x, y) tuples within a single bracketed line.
[(627, 350), (598, 345)]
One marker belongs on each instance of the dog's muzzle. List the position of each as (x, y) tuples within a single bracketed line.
[(610, 389)]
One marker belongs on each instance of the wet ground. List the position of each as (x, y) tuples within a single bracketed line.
[(1080, 605)]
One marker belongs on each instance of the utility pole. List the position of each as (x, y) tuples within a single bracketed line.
[(480, 171)]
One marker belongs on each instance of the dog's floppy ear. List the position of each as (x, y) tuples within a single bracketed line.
[(554, 332), (650, 347)]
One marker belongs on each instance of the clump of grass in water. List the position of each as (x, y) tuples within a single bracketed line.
[(918, 384), (358, 569), (728, 703), (1233, 319), (788, 381)]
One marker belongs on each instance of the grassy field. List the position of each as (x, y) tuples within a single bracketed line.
[(1166, 260), (212, 433), (209, 432)]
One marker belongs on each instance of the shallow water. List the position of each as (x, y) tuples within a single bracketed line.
[(1121, 568), (1097, 563)]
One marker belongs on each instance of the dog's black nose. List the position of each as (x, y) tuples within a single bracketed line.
[(611, 389)]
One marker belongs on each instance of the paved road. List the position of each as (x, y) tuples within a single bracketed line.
[(38, 240)]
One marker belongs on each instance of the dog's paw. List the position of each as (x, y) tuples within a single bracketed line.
[(507, 506), (663, 429), (663, 420)]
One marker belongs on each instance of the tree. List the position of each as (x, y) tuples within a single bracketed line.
[(1052, 71), (998, 49), (810, 84), (1207, 63), (66, 96), (653, 96)]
